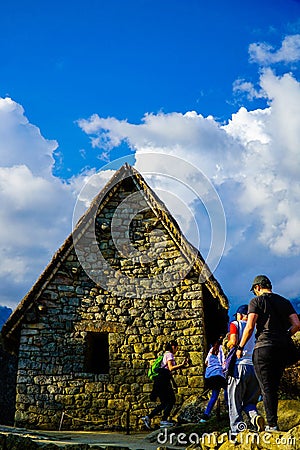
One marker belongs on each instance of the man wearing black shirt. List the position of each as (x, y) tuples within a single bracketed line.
[(276, 321)]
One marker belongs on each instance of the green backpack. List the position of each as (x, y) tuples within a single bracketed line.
[(153, 371)]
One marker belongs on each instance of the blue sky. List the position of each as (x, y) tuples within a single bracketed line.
[(216, 84)]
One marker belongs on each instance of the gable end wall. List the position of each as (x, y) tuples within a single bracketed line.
[(51, 377)]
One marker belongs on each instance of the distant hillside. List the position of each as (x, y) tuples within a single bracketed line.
[(5, 312)]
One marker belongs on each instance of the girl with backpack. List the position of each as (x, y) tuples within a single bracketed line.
[(162, 387)]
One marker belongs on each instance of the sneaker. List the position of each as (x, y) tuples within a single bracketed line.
[(166, 424), (258, 422), (232, 437), (268, 428), (204, 418), (146, 421)]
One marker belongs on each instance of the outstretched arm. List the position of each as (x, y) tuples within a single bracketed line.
[(295, 324), (178, 366)]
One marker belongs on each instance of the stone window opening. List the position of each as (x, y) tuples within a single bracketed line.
[(97, 353)]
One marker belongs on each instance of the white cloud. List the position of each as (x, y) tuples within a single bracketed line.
[(36, 207), (254, 161), (22, 142), (242, 86), (271, 164), (249, 126), (265, 54), (258, 151), (174, 134)]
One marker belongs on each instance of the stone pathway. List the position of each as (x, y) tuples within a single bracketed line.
[(133, 441)]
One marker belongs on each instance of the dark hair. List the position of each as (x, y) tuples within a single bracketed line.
[(216, 346), (169, 345), (265, 284)]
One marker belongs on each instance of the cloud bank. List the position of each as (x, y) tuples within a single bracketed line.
[(35, 206), (253, 160), (265, 54), (257, 153)]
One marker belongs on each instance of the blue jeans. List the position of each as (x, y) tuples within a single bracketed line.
[(213, 398)]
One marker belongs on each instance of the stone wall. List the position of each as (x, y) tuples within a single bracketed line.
[(143, 297)]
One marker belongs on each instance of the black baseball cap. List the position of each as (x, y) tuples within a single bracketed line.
[(263, 281)]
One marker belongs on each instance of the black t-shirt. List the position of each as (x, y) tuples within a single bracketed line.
[(273, 319)]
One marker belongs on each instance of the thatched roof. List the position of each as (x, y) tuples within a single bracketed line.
[(11, 327)]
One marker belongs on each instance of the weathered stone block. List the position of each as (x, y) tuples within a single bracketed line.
[(118, 404), (196, 358), (195, 381)]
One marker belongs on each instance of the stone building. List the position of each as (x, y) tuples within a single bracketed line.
[(123, 283)]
